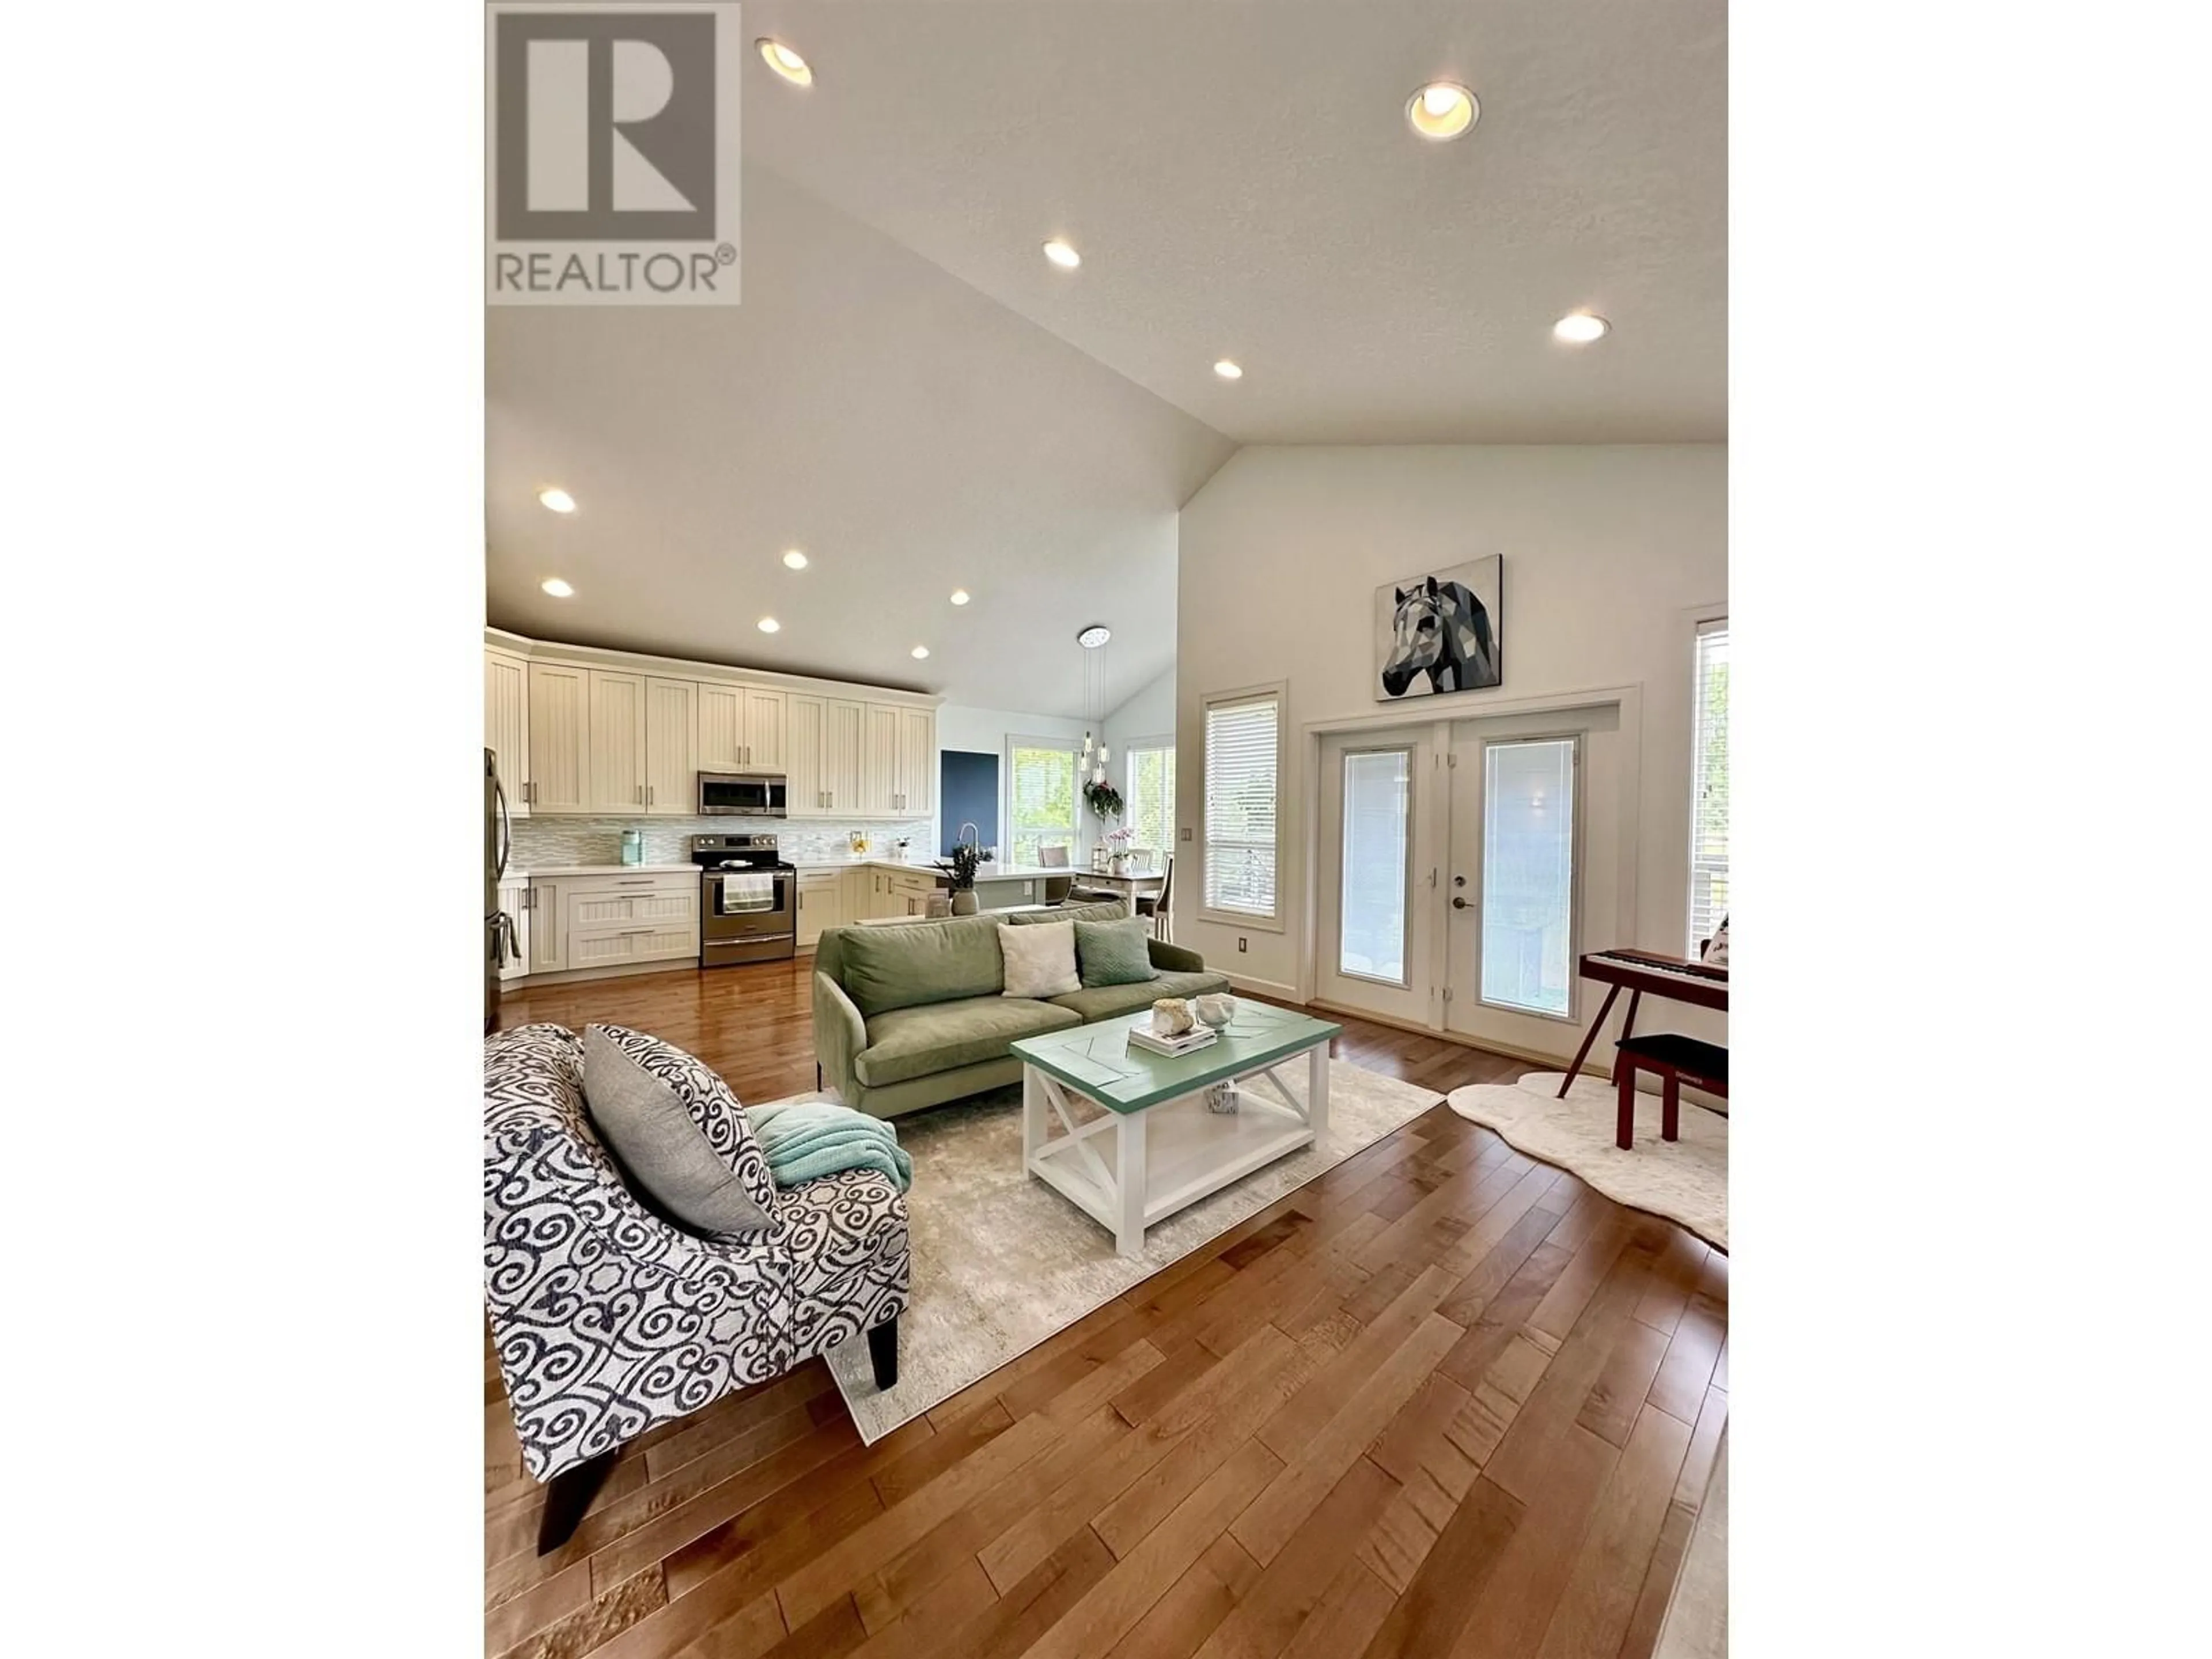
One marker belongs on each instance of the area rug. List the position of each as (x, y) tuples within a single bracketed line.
[(1684, 1179), (1001, 1261)]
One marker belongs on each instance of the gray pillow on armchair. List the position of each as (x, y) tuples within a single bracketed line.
[(641, 1113)]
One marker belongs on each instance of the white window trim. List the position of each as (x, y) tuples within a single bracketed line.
[(1015, 741), (1245, 920)]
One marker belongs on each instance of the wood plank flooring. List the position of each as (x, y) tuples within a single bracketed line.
[(1443, 1401)]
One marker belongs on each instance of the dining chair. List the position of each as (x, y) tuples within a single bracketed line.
[(1053, 858), (1056, 888), (1155, 905)]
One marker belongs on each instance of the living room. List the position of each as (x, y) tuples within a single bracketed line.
[(1102, 873)]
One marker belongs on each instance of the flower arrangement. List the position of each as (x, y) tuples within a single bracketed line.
[(1103, 799)]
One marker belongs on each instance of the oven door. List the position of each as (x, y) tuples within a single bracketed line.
[(746, 918), (722, 796)]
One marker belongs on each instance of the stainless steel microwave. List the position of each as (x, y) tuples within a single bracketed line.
[(723, 795)]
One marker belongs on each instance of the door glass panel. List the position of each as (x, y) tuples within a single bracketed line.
[(1529, 875), (1371, 943)]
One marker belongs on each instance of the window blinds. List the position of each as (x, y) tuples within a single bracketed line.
[(1043, 801), (1709, 786), (1242, 750)]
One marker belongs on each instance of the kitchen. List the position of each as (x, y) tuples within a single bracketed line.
[(617, 784)]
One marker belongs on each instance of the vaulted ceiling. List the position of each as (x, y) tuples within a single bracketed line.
[(915, 396)]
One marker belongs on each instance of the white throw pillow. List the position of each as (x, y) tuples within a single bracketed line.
[(1040, 959)]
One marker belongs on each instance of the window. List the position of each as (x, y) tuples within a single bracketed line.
[(1709, 786), (1243, 755), (1149, 802), (1529, 875), (1041, 807), (1377, 842)]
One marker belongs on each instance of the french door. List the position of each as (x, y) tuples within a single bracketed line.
[(1467, 865), (1378, 913)]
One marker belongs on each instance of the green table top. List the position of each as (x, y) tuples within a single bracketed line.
[(1100, 1061)]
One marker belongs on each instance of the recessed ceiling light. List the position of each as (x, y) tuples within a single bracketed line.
[(919, 653), (557, 587), (768, 624), (559, 501), (1062, 255), (795, 560), (959, 596), (1228, 371), (1580, 328), (785, 62), (1094, 636), (1442, 109)]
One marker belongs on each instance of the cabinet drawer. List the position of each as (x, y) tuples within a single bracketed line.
[(598, 912), (602, 948), (667, 881)]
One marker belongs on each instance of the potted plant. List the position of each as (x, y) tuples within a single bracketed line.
[(960, 865), (1117, 850), (1103, 799)]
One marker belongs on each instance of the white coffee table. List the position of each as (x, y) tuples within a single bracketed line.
[(1090, 1086)]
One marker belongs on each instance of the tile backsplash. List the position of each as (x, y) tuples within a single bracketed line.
[(539, 842)]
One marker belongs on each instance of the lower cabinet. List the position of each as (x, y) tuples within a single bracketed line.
[(821, 903), (514, 900), (613, 921)]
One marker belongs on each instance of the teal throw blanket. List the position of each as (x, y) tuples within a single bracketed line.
[(806, 1140)]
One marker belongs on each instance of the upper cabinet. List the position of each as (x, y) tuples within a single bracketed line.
[(611, 742), (917, 762), (742, 728), (506, 725), (618, 728), (671, 748), (560, 737)]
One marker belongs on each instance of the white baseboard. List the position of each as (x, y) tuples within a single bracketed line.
[(1264, 988)]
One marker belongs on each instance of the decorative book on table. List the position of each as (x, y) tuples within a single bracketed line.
[(1183, 1044)]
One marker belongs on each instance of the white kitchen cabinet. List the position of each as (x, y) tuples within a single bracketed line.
[(742, 728), (840, 757), (821, 905), (506, 725), (618, 743), (671, 748), (560, 737), (911, 893), (880, 760), (917, 763), (766, 711), (545, 953)]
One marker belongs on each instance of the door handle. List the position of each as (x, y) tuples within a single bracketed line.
[(1458, 904)]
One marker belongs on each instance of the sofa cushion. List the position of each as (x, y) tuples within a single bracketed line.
[(888, 968), (1105, 1001), (641, 1111), (1040, 961), (1045, 917), (1113, 952), (911, 1043)]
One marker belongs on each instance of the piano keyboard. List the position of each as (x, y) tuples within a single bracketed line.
[(1697, 973)]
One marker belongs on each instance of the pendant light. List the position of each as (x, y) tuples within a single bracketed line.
[(1092, 763)]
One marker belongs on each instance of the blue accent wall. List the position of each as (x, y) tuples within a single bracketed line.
[(967, 789)]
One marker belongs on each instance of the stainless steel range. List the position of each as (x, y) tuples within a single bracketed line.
[(748, 901)]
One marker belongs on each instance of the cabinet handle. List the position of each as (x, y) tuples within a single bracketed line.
[(648, 794), (631, 933)]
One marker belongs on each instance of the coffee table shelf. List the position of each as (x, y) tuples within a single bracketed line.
[(1127, 1136)]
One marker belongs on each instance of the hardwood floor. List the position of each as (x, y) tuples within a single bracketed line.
[(1442, 1401)]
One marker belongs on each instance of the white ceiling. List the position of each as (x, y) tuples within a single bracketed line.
[(914, 396)]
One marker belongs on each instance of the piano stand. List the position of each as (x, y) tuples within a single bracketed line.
[(1627, 1030)]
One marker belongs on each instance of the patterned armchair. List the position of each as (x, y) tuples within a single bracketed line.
[(609, 1320)]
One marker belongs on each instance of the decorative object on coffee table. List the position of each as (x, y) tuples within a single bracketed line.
[(1215, 1008)]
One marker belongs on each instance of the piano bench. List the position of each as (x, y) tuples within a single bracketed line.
[(1675, 1059)]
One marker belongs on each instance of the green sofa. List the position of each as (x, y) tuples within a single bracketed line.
[(913, 1016)]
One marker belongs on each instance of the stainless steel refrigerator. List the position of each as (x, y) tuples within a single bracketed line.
[(500, 946)]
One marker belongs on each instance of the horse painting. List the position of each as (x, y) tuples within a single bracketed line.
[(1442, 630)]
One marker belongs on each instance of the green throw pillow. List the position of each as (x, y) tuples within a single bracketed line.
[(1114, 952)]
